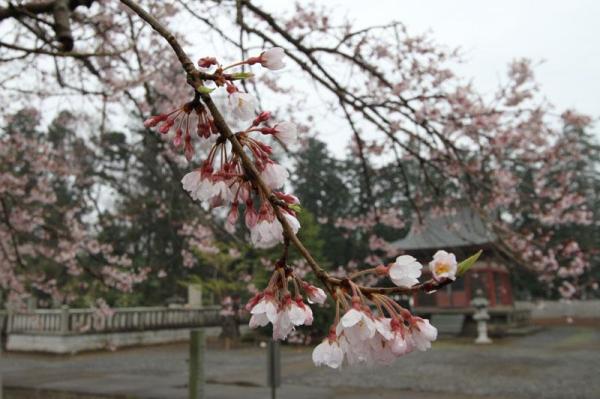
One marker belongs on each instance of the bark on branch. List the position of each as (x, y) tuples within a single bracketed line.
[(17, 11), (62, 24)]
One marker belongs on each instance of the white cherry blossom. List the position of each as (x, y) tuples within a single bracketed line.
[(405, 271), (273, 58), (443, 265), (286, 132), (291, 314), (203, 189), (292, 221), (356, 325), (274, 175), (399, 345), (268, 233), (422, 334), (328, 353), (242, 105), (264, 312)]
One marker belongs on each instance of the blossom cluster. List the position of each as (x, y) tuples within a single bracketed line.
[(221, 179), (374, 328), (276, 305), (361, 337)]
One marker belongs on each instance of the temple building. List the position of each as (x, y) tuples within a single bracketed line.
[(463, 233)]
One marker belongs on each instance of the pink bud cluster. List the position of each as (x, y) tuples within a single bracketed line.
[(181, 120), (221, 180), (277, 305)]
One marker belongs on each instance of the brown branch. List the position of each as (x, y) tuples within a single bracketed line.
[(62, 24), (46, 7), (41, 51)]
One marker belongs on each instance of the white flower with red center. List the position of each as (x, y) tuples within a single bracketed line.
[(314, 294), (292, 313), (356, 325), (274, 175), (242, 105), (405, 271), (264, 311), (376, 350), (383, 327), (328, 352), (422, 333), (399, 345), (268, 231), (191, 181), (206, 188), (443, 265), (286, 132), (272, 58), (221, 191)]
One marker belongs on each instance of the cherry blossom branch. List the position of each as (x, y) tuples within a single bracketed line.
[(254, 175), (195, 79), (226, 132)]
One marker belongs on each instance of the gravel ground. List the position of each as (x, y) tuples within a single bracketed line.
[(558, 362)]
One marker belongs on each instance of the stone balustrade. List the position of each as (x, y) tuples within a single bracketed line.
[(67, 321)]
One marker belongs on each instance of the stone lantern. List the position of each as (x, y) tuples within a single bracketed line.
[(481, 316)]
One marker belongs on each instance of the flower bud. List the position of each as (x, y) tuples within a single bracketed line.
[(207, 62)]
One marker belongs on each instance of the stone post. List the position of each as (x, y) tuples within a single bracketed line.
[(194, 296), (31, 304), (64, 319), (196, 366)]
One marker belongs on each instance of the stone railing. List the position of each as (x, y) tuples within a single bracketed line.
[(577, 309), (66, 321)]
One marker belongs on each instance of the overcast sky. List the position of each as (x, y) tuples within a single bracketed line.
[(563, 35)]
